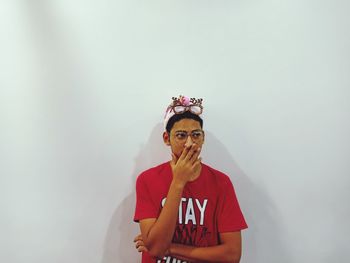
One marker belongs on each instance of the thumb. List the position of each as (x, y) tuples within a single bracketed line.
[(197, 163)]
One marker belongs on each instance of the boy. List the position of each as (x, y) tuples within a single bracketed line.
[(187, 211)]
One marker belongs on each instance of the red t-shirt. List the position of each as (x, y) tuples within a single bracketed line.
[(208, 206)]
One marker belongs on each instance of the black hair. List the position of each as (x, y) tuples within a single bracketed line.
[(180, 116)]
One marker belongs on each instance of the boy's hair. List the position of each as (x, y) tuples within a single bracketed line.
[(185, 115)]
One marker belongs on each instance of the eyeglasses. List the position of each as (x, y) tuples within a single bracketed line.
[(195, 135), (195, 109)]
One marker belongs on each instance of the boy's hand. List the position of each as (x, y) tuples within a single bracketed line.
[(187, 166), (139, 244)]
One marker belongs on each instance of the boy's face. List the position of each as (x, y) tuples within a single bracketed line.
[(184, 132)]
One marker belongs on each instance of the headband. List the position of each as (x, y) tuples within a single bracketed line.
[(182, 104)]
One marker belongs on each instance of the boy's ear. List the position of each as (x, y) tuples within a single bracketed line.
[(166, 138)]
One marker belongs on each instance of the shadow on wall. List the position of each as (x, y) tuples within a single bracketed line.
[(263, 241), (119, 246)]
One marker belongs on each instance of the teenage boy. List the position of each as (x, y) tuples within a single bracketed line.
[(187, 211)]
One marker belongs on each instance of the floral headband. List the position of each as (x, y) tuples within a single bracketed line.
[(180, 105)]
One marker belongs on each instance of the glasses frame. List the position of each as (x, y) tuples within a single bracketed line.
[(187, 108), (189, 134)]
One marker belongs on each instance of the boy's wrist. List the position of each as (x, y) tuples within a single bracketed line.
[(178, 184)]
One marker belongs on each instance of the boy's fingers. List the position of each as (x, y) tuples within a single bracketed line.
[(138, 237), (191, 152), (185, 152), (192, 156), (195, 155), (197, 162)]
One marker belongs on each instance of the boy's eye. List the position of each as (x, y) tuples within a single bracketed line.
[(181, 135), (196, 134)]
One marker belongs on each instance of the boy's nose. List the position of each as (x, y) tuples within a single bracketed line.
[(189, 141)]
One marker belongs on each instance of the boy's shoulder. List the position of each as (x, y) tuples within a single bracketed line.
[(219, 176), (155, 170), (214, 170)]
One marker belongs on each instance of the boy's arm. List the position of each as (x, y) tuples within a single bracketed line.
[(228, 251), (157, 233)]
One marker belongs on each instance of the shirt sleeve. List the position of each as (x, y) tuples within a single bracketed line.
[(230, 217), (145, 207)]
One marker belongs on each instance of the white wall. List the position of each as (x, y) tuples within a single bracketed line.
[(83, 88)]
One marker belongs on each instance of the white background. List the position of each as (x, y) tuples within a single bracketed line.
[(84, 85)]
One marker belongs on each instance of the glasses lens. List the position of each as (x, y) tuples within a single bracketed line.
[(181, 135), (197, 135), (196, 109), (179, 109)]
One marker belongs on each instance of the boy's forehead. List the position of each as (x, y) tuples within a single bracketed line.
[(187, 124)]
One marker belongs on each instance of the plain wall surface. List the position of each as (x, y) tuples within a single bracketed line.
[(83, 89)]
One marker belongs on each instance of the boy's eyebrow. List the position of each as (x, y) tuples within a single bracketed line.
[(190, 131)]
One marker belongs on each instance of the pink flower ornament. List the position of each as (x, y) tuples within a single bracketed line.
[(185, 101)]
